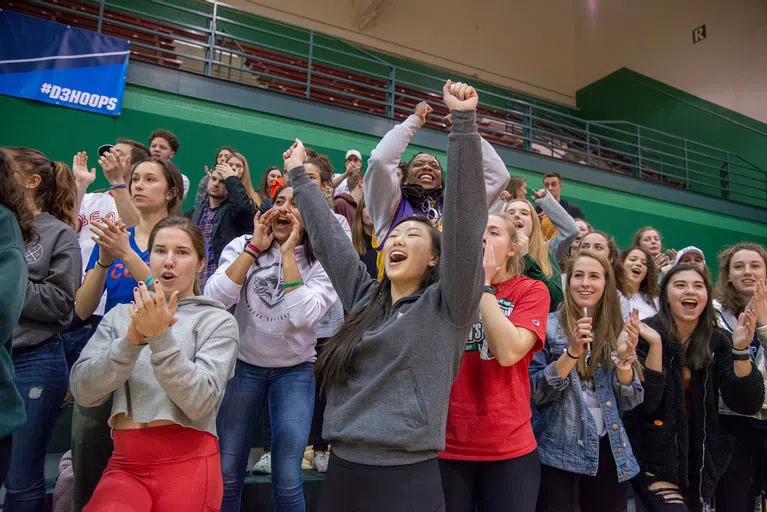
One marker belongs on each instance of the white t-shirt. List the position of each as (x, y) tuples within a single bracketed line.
[(342, 188), (590, 399), (95, 206), (637, 301)]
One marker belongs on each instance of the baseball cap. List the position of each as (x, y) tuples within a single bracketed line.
[(684, 251), (104, 148), (353, 152)]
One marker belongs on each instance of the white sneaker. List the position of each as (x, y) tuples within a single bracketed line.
[(320, 462), (264, 465)]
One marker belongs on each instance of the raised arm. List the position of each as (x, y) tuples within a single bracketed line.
[(465, 209), (496, 174), (382, 192), (105, 362), (116, 168), (330, 243), (567, 229)]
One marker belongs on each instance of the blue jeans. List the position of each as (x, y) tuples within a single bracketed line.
[(77, 337), (42, 379), (291, 403)]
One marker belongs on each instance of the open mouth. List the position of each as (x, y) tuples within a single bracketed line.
[(519, 224), (397, 256), (427, 178), (636, 271), (168, 276), (585, 294), (282, 222), (689, 304)]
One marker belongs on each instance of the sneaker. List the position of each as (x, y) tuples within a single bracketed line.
[(264, 465), (320, 462)]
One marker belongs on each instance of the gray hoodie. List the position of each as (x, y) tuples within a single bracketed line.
[(54, 263), (179, 376), (393, 409)]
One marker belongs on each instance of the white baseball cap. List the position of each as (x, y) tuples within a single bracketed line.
[(684, 251), (353, 152)]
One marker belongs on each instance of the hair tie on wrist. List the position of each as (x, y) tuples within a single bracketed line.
[(118, 185), (623, 364), (254, 249), (149, 281), (567, 351), (102, 266), (293, 284)]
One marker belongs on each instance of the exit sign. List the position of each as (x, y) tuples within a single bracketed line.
[(699, 34)]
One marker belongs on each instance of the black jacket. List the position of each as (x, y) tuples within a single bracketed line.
[(234, 217), (690, 452)]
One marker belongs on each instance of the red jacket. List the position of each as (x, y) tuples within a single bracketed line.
[(344, 204)]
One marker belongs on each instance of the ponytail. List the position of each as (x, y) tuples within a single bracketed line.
[(57, 191)]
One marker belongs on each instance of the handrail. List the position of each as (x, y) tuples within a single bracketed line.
[(304, 62)]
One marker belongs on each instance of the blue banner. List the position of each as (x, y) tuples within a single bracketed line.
[(54, 63)]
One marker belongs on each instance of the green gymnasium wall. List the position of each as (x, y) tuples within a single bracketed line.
[(202, 127)]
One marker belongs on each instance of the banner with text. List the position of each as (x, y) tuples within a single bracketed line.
[(54, 63)]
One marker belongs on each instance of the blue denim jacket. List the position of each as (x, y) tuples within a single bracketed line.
[(564, 427)]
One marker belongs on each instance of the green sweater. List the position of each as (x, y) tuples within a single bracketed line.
[(13, 282), (553, 283)]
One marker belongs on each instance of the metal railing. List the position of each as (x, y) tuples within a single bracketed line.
[(216, 39)]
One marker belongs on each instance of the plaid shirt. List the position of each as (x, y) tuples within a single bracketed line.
[(206, 226)]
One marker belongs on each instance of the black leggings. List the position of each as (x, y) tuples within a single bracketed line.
[(493, 486), (742, 483), (664, 498), (561, 490), (351, 487)]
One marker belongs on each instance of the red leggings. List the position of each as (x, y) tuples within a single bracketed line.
[(161, 469)]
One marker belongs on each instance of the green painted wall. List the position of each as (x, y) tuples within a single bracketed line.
[(629, 96), (203, 127)]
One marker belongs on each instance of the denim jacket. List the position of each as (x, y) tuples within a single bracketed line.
[(564, 427)]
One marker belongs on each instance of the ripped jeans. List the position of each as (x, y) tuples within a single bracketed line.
[(42, 379), (659, 496)]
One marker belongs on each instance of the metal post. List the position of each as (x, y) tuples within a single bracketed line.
[(309, 68), (686, 167), (211, 40), (390, 90), (101, 16), (638, 174), (527, 130)]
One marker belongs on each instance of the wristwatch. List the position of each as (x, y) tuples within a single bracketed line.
[(489, 289)]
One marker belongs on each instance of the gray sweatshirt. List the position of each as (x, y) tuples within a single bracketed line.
[(567, 229), (55, 264), (179, 376), (394, 408), (382, 189)]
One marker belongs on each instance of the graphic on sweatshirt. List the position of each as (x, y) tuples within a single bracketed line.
[(477, 340), (33, 253), (267, 286)]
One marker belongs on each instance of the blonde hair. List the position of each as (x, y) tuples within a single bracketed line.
[(245, 178), (514, 265), (607, 321), (538, 249)]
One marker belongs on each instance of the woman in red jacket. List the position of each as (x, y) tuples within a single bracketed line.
[(490, 460)]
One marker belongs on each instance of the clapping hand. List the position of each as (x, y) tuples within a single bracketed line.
[(459, 96), (759, 303), (226, 171), (113, 238), (83, 177), (629, 336), (114, 166), (744, 330), (150, 316)]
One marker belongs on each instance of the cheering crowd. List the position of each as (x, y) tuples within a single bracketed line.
[(452, 346)]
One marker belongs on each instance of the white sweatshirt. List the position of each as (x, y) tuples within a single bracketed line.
[(276, 329)]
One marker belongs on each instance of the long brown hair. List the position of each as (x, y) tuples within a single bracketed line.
[(57, 191), (358, 230), (649, 289), (514, 265), (697, 351), (173, 179), (245, 179), (614, 254), (607, 321), (12, 197), (335, 363), (537, 248), (195, 235), (263, 188), (638, 236), (725, 292)]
